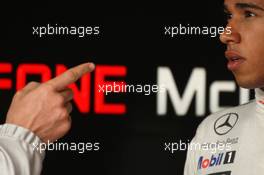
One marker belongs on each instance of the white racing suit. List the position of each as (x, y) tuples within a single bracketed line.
[(229, 142)]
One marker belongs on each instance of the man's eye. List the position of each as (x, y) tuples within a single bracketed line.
[(249, 14), (228, 15)]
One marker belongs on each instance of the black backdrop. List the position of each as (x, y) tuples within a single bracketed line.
[(131, 36)]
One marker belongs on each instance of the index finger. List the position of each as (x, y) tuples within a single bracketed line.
[(70, 76)]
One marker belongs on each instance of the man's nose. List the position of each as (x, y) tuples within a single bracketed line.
[(230, 35)]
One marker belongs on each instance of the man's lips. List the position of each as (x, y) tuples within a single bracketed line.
[(234, 60)]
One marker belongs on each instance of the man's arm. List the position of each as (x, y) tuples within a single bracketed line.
[(38, 113), (17, 152)]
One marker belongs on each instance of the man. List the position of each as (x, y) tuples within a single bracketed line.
[(38, 113), (237, 130)]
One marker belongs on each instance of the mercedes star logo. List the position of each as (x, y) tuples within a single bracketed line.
[(225, 123)]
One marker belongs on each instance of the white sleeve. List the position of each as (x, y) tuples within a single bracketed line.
[(189, 168), (18, 155)]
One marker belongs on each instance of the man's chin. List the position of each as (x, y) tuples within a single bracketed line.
[(248, 83)]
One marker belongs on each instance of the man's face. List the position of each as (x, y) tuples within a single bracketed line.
[(245, 45)]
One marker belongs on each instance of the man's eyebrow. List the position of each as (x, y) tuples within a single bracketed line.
[(225, 8), (248, 5)]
